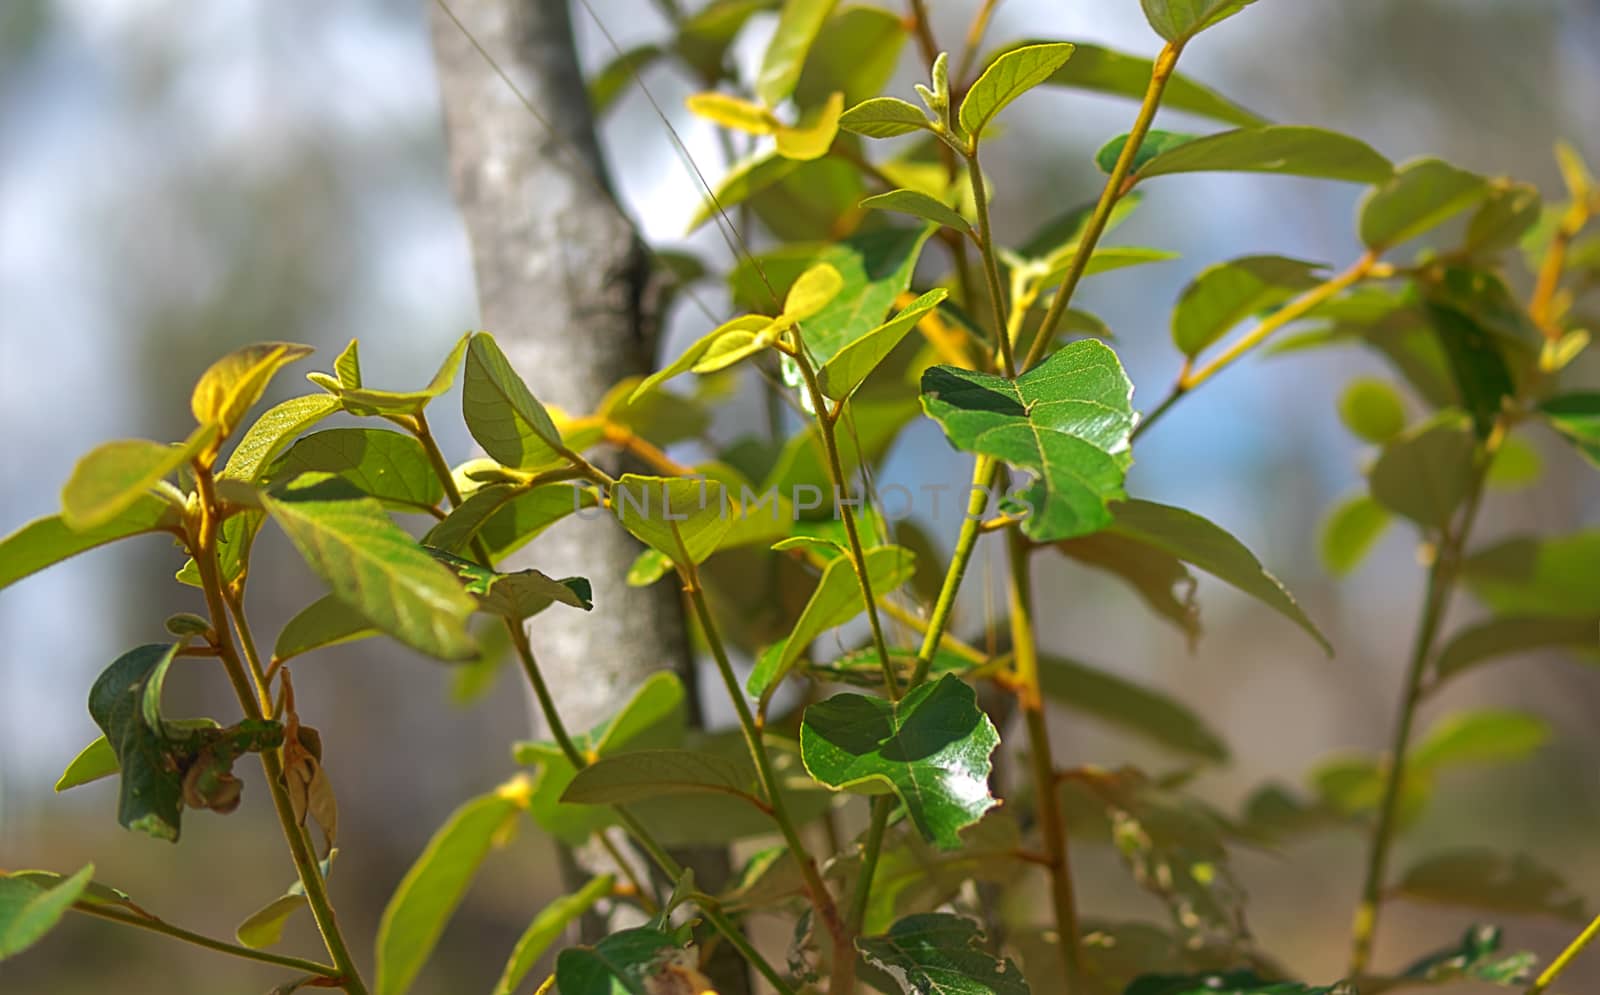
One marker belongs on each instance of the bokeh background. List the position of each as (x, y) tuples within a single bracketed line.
[(178, 178)]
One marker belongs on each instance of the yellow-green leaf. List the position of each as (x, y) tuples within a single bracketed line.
[(811, 293), (1006, 79), (814, 137), (234, 383), (798, 25), (547, 927), (111, 477), (681, 518), (502, 413), (732, 112)]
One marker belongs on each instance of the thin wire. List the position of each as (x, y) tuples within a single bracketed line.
[(584, 167)]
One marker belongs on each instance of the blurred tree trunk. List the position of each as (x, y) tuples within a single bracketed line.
[(562, 283)]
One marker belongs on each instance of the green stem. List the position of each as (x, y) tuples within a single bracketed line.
[(991, 265), (1565, 959), (983, 475), (1052, 823), (154, 925), (1113, 191), (1440, 585), (305, 860)]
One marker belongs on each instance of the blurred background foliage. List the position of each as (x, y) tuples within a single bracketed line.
[(177, 179)]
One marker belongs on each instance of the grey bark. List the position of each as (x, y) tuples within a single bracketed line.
[(561, 283)]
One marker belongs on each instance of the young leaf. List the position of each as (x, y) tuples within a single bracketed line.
[(743, 181), (941, 954), (263, 928), (93, 762), (115, 475), (1202, 544), (798, 26), (813, 138), (641, 774), (1483, 879), (1372, 410), (884, 117), (1350, 531), (1507, 636), (731, 112), (502, 413), (1289, 150), (547, 927), (347, 367), (1068, 420), (29, 911), (429, 893), (372, 565), (1482, 736), (931, 748), (919, 205), (1421, 195), (836, 600), (366, 401), (1558, 577), (1134, 708), (750, 323), (390, 466), (1424, 473), (812, 292), (47, 541), (851, 365), (678, 517), (1007, 78), (1228, 293), (1103, 70), (125, 703), (1179, 20), (1576, 416), (274, 430), (234, 383), (328, 621)]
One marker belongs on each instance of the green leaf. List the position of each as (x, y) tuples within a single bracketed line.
[(836, 600), (1155, 142), (47, 541), (678, 517), (507, 516), (430, 891), (1424, 473), (548, 927), (884, 117), (501, 412), (1481, 736), (1516, 465), (811, 292), (273, 431), (1421, 195), (919, 205), (1350, 531), (625, 963), (372, 565), (234, 383), (1474, 958), (328, 621), (112, 477), (1477, 365), (1105, 259), (263, 928), (93, 762), (389, 466), (1202, 544), (746, 179), (1507, 214), (1227, 982), (1137, 709), (1160, 578), (1288, 150), (28, 912), (1577, 416), (125, 703), (704, 36), (941, 954), (1228, 293), (1352, 785), (747, 323), (641, 774), (1372, 410), (1007, 78), (347, 367), (931, 748), (1179, 20), (851, 365), (1545, 578), (1069, 420), (366, 401), (520, 595), (1483, 879), (799, 23), (1513, 635), (617, 75), (855, 53), (877, 268)]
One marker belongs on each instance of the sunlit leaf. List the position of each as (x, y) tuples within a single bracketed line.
[(884, 117), (1180, 20), (1420, 196), (799, 23), (1558, 577), (1289, 150), (28, 911), (920, 205), (48, 541), (851, 365), (1007, 78), (1350, 531), (1372, 410), (233, 384), (368, 401), (273, 431), (1228, 293), (547, 927), (390, 466), (941, 954), (112, 477), (502, 413), (678, 517)]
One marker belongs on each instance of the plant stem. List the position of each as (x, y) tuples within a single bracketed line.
[(305, 860), (1440, 585), (1113, 191), (1564, 960), (830, 444), (154, 925), (983, 474), (1052, 823), (1554, 263), (975, 33), (991, 266)]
